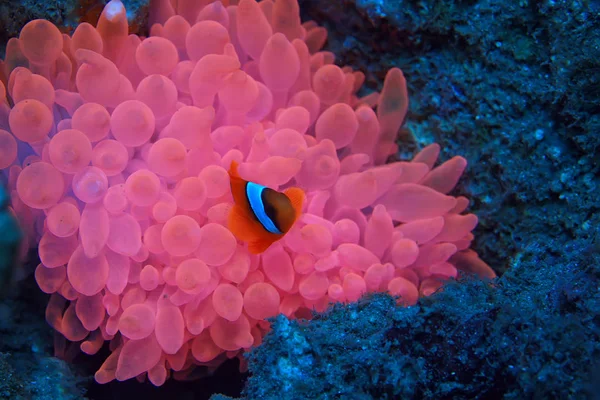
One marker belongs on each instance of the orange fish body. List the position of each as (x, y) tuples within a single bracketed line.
[(260, 215)]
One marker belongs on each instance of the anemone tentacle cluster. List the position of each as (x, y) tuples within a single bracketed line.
[(116, 147)]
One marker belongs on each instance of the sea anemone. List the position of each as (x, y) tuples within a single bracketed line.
[(116, 149)]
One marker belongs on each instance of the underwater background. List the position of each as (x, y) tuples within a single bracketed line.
[(514, 87)]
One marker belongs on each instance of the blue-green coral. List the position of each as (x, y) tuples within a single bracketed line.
[(512, 86), (10, 238), (531, 334)]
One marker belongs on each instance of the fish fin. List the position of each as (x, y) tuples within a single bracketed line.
[(233, 169), (296, 196), (259, 246), (242, 225), (246, 229), (238, 185)]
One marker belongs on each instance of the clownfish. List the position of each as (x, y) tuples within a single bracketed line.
[(260, 215)]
